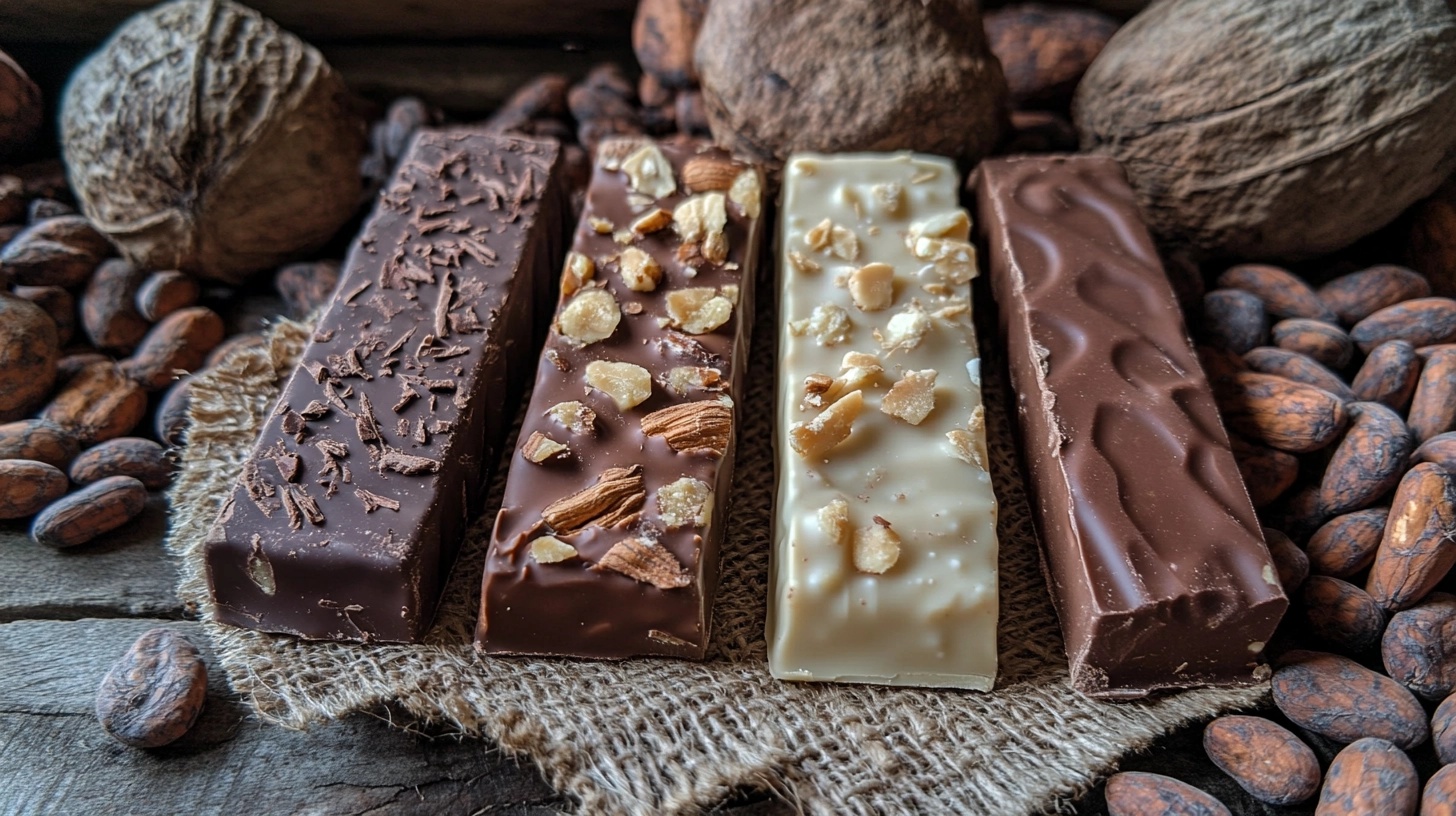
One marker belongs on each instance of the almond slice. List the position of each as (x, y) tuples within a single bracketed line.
[(643, 559)]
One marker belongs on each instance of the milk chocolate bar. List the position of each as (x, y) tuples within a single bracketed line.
[(884, 543), (350, 510), (608, 537), (1153, 554)]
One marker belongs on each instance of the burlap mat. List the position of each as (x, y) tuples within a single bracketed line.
[(664, 736)]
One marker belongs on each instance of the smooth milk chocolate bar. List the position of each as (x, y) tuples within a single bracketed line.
[(350, 511), (608, 538), (884, 543), (1153, 554)]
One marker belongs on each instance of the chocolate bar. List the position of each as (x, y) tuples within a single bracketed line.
[(884, 545), (350, 510), (607, 541), (1153, 555)]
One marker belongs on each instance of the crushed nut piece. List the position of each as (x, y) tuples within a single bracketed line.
[(834, 521), (627, 384), (819, 435), (601, 226), (840, 242), (590, 317), (967, 447), (551, 550), (747, 192), (578, 270), (683, 379), (649, 172), (685, 502), (872, 287), (645, 560), (652, 221), (730, 291), (857, 371), (890, 197), (912, 398), (698, 310), (640, 271), (829, 324), (905, 330), (575, 417), (876, 549), (945, 241), (539, 447), (705, 426), (615, 499), (802, 263), (700, 222)]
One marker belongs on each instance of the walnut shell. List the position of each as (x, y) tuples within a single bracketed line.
[(1276, 130), (20, 107), (203, 137), (785, 75)]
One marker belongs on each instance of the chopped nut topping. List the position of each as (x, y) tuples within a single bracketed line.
[(730, 291), (944, 240), (685, 502), (802, 263), (857, 371), (624, 237), (539, 447), (872, 286), (260, 569), (700, 222), (705, 426), (890, 197), (828, 323), (706, 173), (575, 417), (965, 447), (578, 270), (615, 499), (905, 330), (649, 172), (747, 192), (601, 226), (876, 549), (643, 559), (698, 310), (860, 359), (640, 271), (652, 221), (841, 242), (834, 521), (683, 379), (627, 384), (912, 398), (819, 435), (817, 383), (551, 550), (590, 317)]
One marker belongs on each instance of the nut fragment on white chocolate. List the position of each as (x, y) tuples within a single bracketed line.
[(884, 548)]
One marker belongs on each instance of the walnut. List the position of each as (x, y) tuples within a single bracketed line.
[(912, 398), (551, 550), (829, 324), (640, 271), (872, 286), (819, 435), (649, 172), (578, 270), (539, 447), (575, 417), (590, 317), (876, 549), (685, 502), (627, 384), (698, 310), (747, 192), (834, 521), (905, 330)]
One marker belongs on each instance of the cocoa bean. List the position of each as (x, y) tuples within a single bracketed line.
[(1284, 294), (12, 198), (1370, 776), (1298, 513), (108, 307), (1368, 462), (1044, 50), (89, 512), (1266, 760), (70, 365), (664, 33), (43, 208), (163, 293), (1282, 413), (8, 232), (44, 178), (155, 692), (34, 262), (1342, 614), (1439, 797), (1325, 343), (691, 114), (38, 440), (1416, 550), (1419, 647), (56, 302), (306, 286), (1267, 472), (1420, 322), (1439, 449), (1346, 544), (1234, 320), (141, 459), (542, 98), (1433, 406), (592, 132), (1443, 730), (1389, 375), (1135, 793), (28, 351), (237, 342), (652, 93), (1358, 295), (75, 231), (179, 343), (1290, 562), (1299, 367), (1336, 697), (97, 404), (27, 486), (605, 93), (171, 417)]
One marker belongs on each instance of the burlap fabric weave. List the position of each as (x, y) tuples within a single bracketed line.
[(664, 736)]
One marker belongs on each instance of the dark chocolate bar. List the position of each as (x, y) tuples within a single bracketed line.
[(1154, 557), (607, 541), (350, 510)]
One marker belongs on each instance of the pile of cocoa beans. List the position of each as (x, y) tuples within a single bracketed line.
[(1340, 403)]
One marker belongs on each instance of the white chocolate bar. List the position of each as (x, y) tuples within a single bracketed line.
[(884, 551)]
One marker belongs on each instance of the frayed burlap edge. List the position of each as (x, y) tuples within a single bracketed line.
[(663, 736)]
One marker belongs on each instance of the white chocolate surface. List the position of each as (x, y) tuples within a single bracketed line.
[(930, 618)]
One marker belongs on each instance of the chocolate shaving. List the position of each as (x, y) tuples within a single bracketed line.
[(407, 394), (386, 307), (402, 427), (307, 504), (647, 561), (404, 463), (295, 515), (294, 424), (440, 426), (466, 321), (315, 410), (323, 335), (421, 436), (615, 499), (402, 271), (316, 370), (442, 306), (356, 291), (333, 397), (364, 422), (258, 488), (288, 464), (374, 501), (399, 344), (450, 351), (479, 251)]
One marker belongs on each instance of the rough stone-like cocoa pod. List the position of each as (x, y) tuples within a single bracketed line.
[(1358, 295), (1135, 793), (1433, 406), (1369, 461), (1420, 322), (664, 34), (108, 307), (141, 459), (1439, 449), (1293, 365), (70, 365), (1267, 472), (27, 486), (1289, 560), (1346, 544), (58, 303), (1336, 697), (1370, 776), (1325, 343), (171, 419), (306, 286), (1416, 550), (38, 440), (154, 693), (163, 293), (1266, 760), (1419, 647), (1443, 730), (89, 512), (1044, 50), (237, 342), (97, 404), (179, 343), (28, 351), (1342, 614), (1283, 293), (1282, 413), (1388, 375), (1234, 320), (1439, 797)]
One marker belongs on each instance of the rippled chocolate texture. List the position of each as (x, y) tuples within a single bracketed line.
[(608, 537), (351, 508), (1154, 556)]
